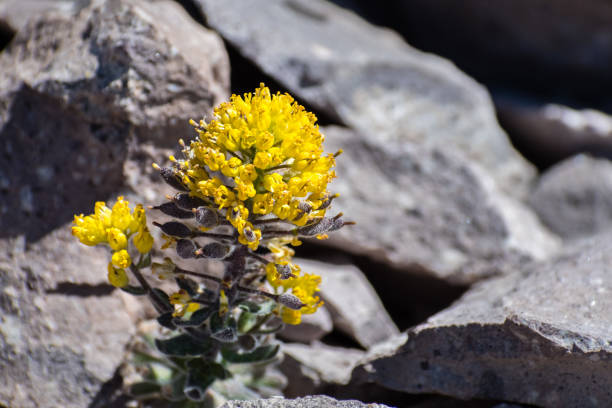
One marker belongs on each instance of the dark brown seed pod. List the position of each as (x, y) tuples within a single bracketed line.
[(206, 217), (284, 271), (326, 224), (174, 229), (187, 201), (173, 210), (186, 248), (213, 250), (290, 301), (171, 177)]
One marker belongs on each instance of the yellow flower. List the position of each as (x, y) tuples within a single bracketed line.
[(121, 259), (121, 216), (182, 303), (117, 277), (116, 239), (89, 230), (143, 241)]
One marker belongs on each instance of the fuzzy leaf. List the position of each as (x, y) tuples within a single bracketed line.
[(188, 285), (145, 261), (144, 389), (183, 345), (134, 290), (197, 318), (259, 354), (258, 308), (247, 321), (166, 320), (163, 297)]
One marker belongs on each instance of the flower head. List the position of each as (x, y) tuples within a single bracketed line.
[(115, 227), (263, 155)]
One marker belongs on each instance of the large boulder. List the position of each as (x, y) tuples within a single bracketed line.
[(540, 336), (426, 211), (63, 328), (370, 79), (82, 97), (574, 198)]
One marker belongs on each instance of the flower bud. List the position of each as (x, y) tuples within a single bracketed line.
[(185, 248), (290, 301), (206, 217), (175, 229)]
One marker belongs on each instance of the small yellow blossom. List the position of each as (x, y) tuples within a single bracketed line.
[(121, 259), (116, 239), (182, 303), (117, 277), (143, 241)]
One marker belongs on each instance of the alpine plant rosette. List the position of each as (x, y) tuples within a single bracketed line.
[(251, 184)]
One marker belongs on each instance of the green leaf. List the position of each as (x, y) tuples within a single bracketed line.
[(163, 297), (196, 384), (217, 323), (166, 320), (140, 358), (259, 354), (144, 390), (183, 345), (144, 261), (246, 322), (188, 285), (258, 308), (134, 290), (209, 368), (197, 318)]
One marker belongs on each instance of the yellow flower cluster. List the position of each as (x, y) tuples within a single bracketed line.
[(304, 287), (261, 155), (115, 227)]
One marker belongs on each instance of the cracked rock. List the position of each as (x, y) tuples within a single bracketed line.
[(426, 211), (62, 327), (540, 336), (83, 96)]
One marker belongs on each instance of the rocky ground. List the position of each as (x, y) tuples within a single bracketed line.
[(477, 275)]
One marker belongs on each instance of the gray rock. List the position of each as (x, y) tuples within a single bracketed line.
[(548, 133), (14, 14), (321, 363), (316, 401), (82, 96), (540, 336), (574, 198), (370, 79), (313, 327), (355, 307), (63, 328), (426, 211)]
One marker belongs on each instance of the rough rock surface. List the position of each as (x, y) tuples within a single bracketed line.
[(370, 79), (355, 307), (62, 327), (540, 336), (315, 401), (549, 133), (14, 14), (574, 198), (426, 211), (81, 97)]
